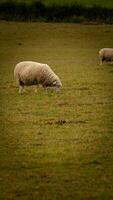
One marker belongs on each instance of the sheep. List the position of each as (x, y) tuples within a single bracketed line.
[(29, 73), (105, 54)]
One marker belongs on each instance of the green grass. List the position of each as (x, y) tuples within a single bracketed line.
[(56, 145)]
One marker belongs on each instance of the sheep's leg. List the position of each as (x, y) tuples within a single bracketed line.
[(36, 88), (21, 87), (101, 61), (45, 88)]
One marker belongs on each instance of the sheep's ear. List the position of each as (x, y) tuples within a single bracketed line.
[(54, 83)]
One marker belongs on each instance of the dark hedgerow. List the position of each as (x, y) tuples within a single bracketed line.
[(38, 11), (11, 10)]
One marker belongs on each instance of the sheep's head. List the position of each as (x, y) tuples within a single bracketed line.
[(57, 85)]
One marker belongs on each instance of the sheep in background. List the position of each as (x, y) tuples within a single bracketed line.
[(32, 73), (106, 54)]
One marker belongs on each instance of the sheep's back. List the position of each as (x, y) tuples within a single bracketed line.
[(106, 53), (28, 71)]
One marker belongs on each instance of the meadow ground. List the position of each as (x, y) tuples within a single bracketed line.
[(56, 146)]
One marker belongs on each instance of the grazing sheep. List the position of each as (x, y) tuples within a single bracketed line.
[(106, 54), (32, 73)]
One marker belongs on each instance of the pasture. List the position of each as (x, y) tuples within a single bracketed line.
[(56, 146)]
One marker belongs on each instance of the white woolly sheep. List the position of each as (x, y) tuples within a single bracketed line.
[(32, 73), (106, 54)]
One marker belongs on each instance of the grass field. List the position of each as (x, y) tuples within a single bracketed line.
[(57, 146)]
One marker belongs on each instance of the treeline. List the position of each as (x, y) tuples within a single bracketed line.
[(38, 11)]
